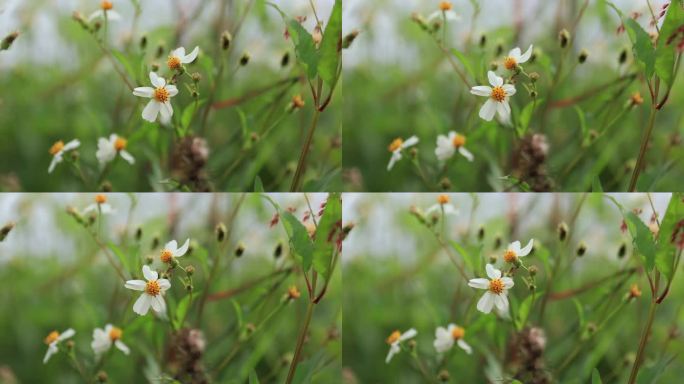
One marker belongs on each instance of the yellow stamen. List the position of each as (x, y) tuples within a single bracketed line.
[(443, 199), (496, 286), (510, 63), (396, 144), (173, 62), (120, 144), (498, 94), (458, 141), (100, 199), (510, 256), (162, 95), (115, 333), (394, 337), (166, 256), (52, 337), (56, 147), (152, 288), (457, 333)]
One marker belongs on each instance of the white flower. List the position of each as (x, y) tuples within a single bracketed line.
[(447, 146), (105, 8), (513, 252), (171, 251), (497, 290), (397, 146), (101, 203), (104, 338), (178, 57), (443, 204), (445, 338), (107, 149), (58, 149), (153, 290), (445, 10), (498, 97), (515, 57), (394, 340), (161, 95), (53, 339)]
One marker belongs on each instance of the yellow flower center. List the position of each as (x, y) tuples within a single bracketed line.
[(120, 144), (100, 199), (445, 6), (115, 333), (106, 5), (52, 337), (510, 63), (443, 199), (174, 62), (56, 147), (152, 288), (162, 95), (396, 144), (293, 292), (496, 286), (458, 141), (498, 94), (166, 256), (457, 333), (394, 337), (510, 256), (634, 291)]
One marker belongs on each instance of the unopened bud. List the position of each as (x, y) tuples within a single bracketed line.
[(155, 242), (196, 77), (583, 56), (534, 76), (102, 377), (6, 229), (349, 39), (70, 344), (244, 59), (581, 249), (533, 94), (160, 50), (562, 231), (138, 233), (278, 251), (285, 59), (240, 250), (143, 42), (154, 67), (532, 270), (189, 270), (445, 184), (564, 38), (499, 48), (8, 40), (480, 233), (493, 66), (623, 56), (483, 40), (220, 232), (493, 259), (497, 242), (443, 376), (226, 39)]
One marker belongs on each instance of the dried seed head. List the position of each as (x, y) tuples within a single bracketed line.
[(189, 270), (532, 270), (534, 76)]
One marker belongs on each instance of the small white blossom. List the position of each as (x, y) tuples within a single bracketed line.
[(100, 205), (513, 252), (104, 338), (172, 251), (161, 96), (58, 150), (397, 146), (515, 57), (445, 338), (53, 339), (497, 290), (443, 203), (106, 8), (445, 10), (447, 146), (178, 57), (107, 149), (498, 95), (394, 340), (152, 292)]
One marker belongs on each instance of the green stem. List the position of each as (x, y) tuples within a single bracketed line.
[(642, 151), (296, 181), (300, 342), (642, 343)]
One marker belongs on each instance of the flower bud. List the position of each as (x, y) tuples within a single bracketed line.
[(493, 66), (189, 270), (240, 250), (226, 39), (532, 271), (278, 251), (581, 249), (102, 377), (349, 39), (445, 184), (483, 40), (160, 50), (244, 59), (497, 242), (583, 56), (534, 76), (443, 376), (69, 344), (634, 292), (562, 231), (493, 259), (154, 67), (285, 60), (622, 251), (411, 344), (143, 42), (533, 94), (6, 229), (8, 40), (138, 233), (623, 56), (564, 38), (196, 77), (480, 233), (499, 48), (155, 242), (106, 186), (220, 232)]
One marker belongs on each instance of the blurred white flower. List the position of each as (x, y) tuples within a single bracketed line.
[(445, 338), (498, 95), (161, 95), (447, 146), (58, 149), (394, 340), (497, 290), (397, 146), (107, 149), (101, 203), (53, 339), (152, 292), (515, 57), (172, 251), (106, 7), (104, 338), (445, 10), (513, 252), (178, 57), (443, 203)]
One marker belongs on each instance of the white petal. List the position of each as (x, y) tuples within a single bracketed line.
[(492, 272), (113, 15), (396, 156), (164, 284), (91, 207), (122, 347), (73, 144), (55, 160), (178, 52), (156, 305), (494, 80), (136, 285), (191, 57), (95, 15), (488, 110), (394, 349), (433, 208), (441, 333), (485, 303), (479, 283), (514, 246), (501, 302), (52, 349), (515, 54), (411, 141), (166, 111), (149, 273), (509, 89), (528, 248), (171, 246), (481, 90), (142, 305), (451, 15), (411, 333), (526, 56), (144, 92), (507, 282), (443, 344), (66, 334), (466, 153), (504, 110), (127, 156), (450, 209), (172, 89), (464, 346), (157, 80), (181, 251), (151, 111)]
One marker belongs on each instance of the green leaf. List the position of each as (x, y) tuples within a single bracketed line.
[(524, 309), (596, 377), (125, 62), (189, 112), (123, 258), (326, 233), (238, 312), (583, 124), (641, 46), (526, 115), (330, 50), (642, 239), (464, 60), (580, 311), (300, 242), (258, 185), (665, 53), (596, 185), (665, 256), (253, 379)]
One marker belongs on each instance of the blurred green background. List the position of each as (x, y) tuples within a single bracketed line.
[(398, 83), (57, 277), (56, 84), (401, 278)]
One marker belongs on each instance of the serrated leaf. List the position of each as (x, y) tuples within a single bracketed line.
[(300, 242), (665, 257), (330, 50), (641, 46), (324, 242), (642, 239)]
